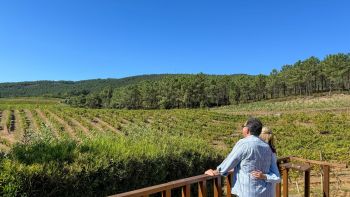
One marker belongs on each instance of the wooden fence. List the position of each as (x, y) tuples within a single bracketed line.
[(285, 165)]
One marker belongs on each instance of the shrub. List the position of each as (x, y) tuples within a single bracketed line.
[(102, 166)]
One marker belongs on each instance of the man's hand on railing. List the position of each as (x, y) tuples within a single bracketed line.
[(211, 172)]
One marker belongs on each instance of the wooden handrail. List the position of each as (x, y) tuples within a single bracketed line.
[(322, 163), (172, 185), (285, 164)]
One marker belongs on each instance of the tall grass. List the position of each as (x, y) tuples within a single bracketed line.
[(334, 101), (101, 166)]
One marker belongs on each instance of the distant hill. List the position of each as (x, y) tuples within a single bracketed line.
[(61, 89), (64, 89), (307, 77)]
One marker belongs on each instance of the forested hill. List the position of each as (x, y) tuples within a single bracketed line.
[(304, 77), (64, 89)]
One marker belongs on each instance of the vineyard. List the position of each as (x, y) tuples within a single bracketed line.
[(48, 146), (337, 102), (20, 120)]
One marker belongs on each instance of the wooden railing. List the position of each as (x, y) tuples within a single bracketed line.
[(285, 165), (185, 185)]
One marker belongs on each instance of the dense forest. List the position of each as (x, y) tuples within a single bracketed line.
[(65, 89), (304, 77)]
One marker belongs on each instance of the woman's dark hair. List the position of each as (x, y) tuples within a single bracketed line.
[(254, 125)]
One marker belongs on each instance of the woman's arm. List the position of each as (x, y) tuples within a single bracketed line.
[(274, 175)]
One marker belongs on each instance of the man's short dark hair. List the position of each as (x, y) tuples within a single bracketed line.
[(254, 125)]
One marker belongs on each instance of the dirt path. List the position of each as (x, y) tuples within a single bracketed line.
[(4, 148), (48, 123), (10, 138), (3, 124), (5, 132), (65, 125), (80, 126), (19, 130), (33, 124), (93, 124), (125, 121), (108, 126)]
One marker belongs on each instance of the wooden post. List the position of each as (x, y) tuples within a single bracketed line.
[(217, 187), (285, 182), (186, 191), (228, 180), (326, 170), (278, 190), (279, 185), (202, 189), (166, 193), (307, 183)]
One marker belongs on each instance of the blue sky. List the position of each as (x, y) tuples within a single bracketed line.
[(75, 40)]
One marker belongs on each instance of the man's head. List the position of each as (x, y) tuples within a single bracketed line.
[(253, 126)]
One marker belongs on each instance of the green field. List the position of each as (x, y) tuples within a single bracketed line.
[(53, 149)]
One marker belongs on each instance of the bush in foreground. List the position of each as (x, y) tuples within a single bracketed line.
[(101, 166)]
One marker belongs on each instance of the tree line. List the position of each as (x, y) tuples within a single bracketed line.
[(65, 89), (304, 77)]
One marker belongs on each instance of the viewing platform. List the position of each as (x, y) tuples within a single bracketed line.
[(218, 186)]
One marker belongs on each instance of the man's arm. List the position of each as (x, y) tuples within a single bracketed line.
[(273, 176), (232, 159)]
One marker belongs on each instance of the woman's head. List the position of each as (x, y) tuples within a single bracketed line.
[(267, 136)]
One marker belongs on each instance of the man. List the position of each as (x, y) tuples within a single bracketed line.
[(253, 164)]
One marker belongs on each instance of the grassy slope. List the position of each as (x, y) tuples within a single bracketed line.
[(298, 125), (306, 127), (303, 104)]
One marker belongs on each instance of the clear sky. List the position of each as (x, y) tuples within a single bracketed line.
[(74, 40)]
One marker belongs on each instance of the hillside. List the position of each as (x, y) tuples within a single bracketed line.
[(307, 104), (48, 146), (62, 89), (311, 76)]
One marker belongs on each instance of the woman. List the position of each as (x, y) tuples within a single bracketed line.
[(267, 136)]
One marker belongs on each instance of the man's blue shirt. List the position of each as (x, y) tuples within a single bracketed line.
[(249, 154)]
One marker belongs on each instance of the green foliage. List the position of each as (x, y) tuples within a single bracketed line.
[(289, 105), (177, 91), (170, 144), (303, 78), (101, 166), (64, 89)]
